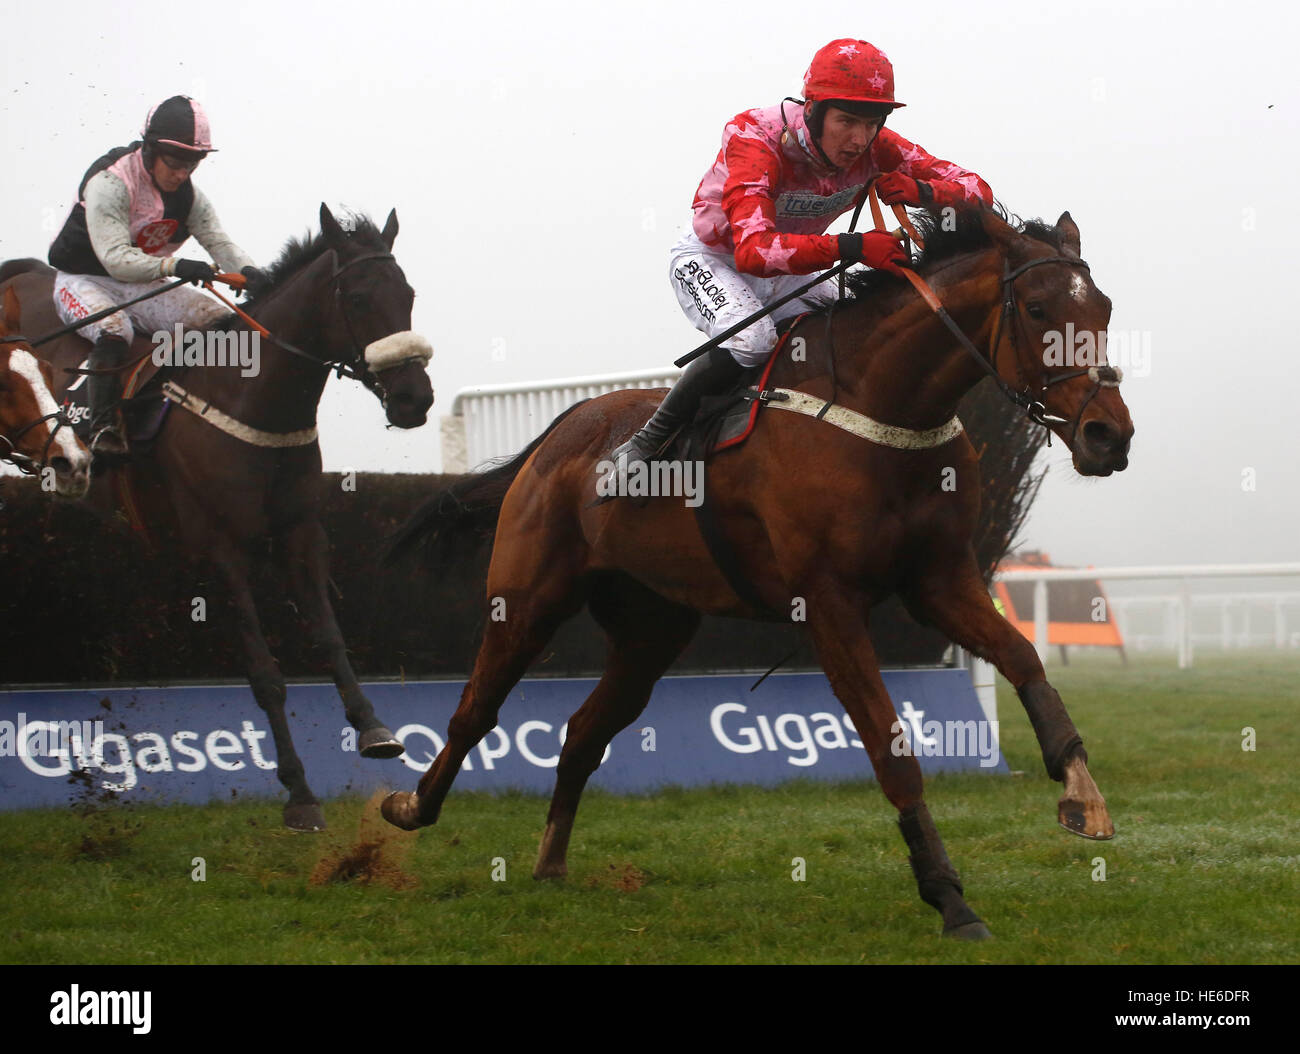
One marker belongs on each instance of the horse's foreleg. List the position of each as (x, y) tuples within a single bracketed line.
[(839, 630), (646, 633), (957, 602), (307, 552), (302, 812), (528, 618)]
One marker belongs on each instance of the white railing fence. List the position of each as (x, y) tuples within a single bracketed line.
[(494, 420), (1179, 607)]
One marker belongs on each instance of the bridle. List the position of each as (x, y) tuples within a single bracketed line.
[(355, 366), (9, 451), (1102, 376), (1029, 401)]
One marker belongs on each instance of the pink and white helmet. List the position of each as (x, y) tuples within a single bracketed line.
[(178, 122)]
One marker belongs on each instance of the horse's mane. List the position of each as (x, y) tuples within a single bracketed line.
[(945, 241), (299, 252)]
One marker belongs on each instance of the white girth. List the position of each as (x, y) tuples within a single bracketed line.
[(860, 424), (227, 424)]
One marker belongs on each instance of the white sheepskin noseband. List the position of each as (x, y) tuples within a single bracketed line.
[(397, 348)]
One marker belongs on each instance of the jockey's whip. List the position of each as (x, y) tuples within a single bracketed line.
[(712, 343)]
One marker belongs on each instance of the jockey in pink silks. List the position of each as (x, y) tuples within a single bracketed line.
[(135, 207)]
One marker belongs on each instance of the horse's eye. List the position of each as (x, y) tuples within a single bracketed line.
[(356, 300), (1036, 311)]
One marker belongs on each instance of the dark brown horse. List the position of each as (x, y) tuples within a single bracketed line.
[(817, 517), (237, 461), (35, 435)]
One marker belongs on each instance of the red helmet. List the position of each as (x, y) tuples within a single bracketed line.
[(852, 70)]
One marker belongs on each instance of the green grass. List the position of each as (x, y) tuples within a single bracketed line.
[(1204, 868)]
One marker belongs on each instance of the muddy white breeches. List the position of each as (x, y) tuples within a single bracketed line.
[(78, 295), (715, 296)]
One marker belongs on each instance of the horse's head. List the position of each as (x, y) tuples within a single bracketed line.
[(34, 433), (371, 321), (1050, 343)]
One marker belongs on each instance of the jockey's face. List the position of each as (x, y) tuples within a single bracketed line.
[(170, 171), (845, 136)]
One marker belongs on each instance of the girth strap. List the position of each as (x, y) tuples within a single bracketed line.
[(227, 424), (868, 428)]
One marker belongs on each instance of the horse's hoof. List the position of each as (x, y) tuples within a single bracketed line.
[(970, 931), (400, 809), (379, 743), (308, 817), (1086, 819)]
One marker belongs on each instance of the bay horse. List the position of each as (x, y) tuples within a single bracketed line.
[(237, 462), (811, 513), (35, 435)]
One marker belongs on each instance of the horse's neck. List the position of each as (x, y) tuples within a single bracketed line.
[(285, 391), (905, 367)]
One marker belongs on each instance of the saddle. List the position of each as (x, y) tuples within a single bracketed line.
[(727, 420)]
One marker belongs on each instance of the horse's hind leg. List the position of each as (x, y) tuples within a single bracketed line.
[(528, 617), (307, 553), (302, 812), (839, 630), (646, 633), (957, 602)]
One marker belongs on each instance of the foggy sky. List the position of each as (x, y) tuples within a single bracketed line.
[(542, 159)]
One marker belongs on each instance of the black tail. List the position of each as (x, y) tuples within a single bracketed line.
[(12, 268), (467, 510)]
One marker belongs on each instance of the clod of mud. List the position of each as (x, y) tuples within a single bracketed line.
[(627, 878), (375, 857)]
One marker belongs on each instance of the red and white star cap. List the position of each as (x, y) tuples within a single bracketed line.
[(853, 70)]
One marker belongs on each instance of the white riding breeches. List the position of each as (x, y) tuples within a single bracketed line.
[(715, 296), (78, 295)]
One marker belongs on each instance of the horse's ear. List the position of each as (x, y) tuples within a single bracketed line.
[(334, 234), (390, 229), (1002, 234), (1069, 233), (13, 311)]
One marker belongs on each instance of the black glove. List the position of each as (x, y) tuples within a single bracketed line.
[(195, 271), (255, 281)]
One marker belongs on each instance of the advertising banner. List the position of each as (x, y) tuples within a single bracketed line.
[(206, 743)]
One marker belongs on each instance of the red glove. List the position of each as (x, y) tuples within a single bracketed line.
[(878, 249), (898, 189)]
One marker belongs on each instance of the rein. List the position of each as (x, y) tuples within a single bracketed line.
[(1102, 376), (349, 369)]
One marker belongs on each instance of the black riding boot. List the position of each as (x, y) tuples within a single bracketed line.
[(105, 391), (710, 374)]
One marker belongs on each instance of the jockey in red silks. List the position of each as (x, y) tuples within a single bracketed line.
[(783, 175), (136, 206)]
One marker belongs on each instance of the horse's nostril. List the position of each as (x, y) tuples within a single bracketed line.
[(1100, 434)]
